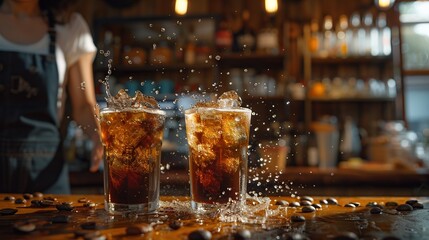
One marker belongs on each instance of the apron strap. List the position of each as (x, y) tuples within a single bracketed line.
[(52, 34)]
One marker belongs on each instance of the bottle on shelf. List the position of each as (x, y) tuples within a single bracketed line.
[(267, 39), (315, 38), (343, 36), (329, 39), (223, 38), (244, 40), (358, 36), (367, 21), (385, 35)]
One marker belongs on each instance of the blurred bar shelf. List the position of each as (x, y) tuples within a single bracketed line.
[(254, 60), (416, 72), (351, 60), (124, 69), (353, 99)]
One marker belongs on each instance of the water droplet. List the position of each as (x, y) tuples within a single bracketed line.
[(217, 57), (82, 85), (162, 29)]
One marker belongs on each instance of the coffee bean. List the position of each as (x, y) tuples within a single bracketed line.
[(307, 198), (20, 201), (316, 205), (357, 204), (27, 196), (332, 201), (308, 209), (373, 204), (60, 219), (346, 236), (36, 203), (404, 207), (391, 204), (411, 202), (282, 203), (200, 234), (8, 211), (305, 203), (54, 199), (38, 194), (375, 210), (297, 218), (24, 227), (418, 205), (64, 207), (90, 204), (89, 225), (242, 234), (294, 204), (138, 229), (9, 198), (350, 205), (47, 203), (82, 200), (323, 201), (176, 224)]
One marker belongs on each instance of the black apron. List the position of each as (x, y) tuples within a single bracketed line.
[(31, 157)]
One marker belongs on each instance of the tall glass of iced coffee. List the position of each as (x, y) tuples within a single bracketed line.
[(218, 136), (131, 132)]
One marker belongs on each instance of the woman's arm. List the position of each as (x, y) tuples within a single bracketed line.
[(81, 90)]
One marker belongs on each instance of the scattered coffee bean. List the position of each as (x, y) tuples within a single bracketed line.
[(9, 198), (24, 227), (373, 204), (316, 205), (54, 199), (8, 211), (294, 204), (200, 234), (375, 210), (64, 207), (418, 205), (176, 224), (391, 204), (36, 203), (308, 209), (332, 201), (307, 198), (323, 201), (305, 203), (38, 194), (282, 203), (60, 219), (82, 200), (242, 234), (350, 205), (27, 196), (297, 218), (357, 204), (346, 236), (90, 204), (411, 202), (404, 207), (138, 229), (20, 201), (89, 225), (47, 203)]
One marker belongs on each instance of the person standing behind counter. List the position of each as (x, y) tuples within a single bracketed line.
[(42, 55)]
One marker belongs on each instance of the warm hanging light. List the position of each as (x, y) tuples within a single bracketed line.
[(181, 7), (271, 6), (384, 4)]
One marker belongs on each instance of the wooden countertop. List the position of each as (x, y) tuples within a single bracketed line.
[(306, 180), (326, 223)]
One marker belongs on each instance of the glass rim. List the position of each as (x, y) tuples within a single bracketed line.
[(239, 109), (130, 109)]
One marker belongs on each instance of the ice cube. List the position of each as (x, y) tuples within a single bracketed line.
[(229, 99), (203, 155), (209, 179), (211, 123), (230, 164), (123, 100), (234, 130), (141, 100)]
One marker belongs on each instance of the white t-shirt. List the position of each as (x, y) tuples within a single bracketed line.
[(73, 40)]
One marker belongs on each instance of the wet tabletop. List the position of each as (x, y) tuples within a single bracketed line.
[(83, 217)]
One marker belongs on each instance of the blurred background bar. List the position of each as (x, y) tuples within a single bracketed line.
[(339, 92)]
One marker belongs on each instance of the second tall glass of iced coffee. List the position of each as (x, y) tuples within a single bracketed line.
[(218, 136)]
